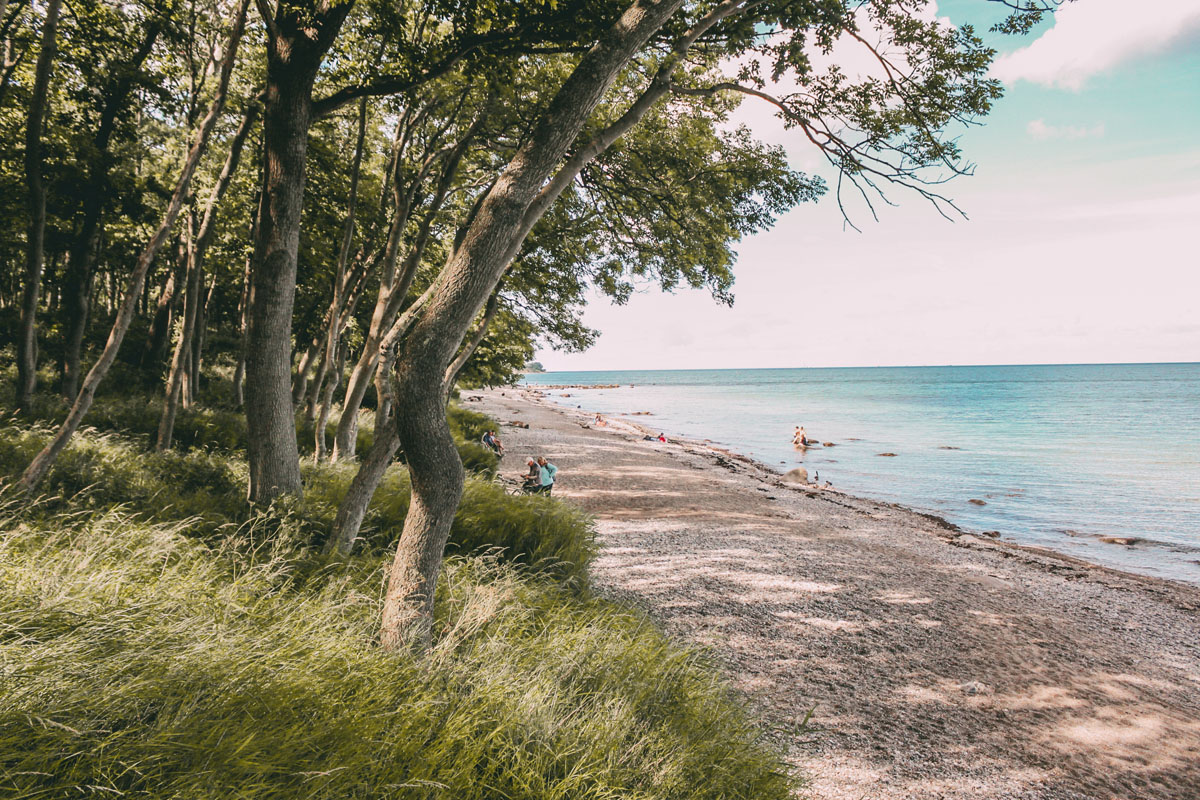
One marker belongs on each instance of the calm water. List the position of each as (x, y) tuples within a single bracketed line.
[(1062, 455)]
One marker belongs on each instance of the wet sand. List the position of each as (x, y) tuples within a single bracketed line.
[(936, 663)]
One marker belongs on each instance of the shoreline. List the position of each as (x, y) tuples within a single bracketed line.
[(537, 394), (937, 663)]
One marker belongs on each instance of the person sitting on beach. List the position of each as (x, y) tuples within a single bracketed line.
[(490, 441), (546, 473), (600, 422), (499, 444), (662, 437)]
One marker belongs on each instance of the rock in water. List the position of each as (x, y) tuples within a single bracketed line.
[(975, 502), (888, 455), (798, 475)]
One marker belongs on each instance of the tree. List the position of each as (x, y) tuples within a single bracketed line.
[(35, 244), (879, 129)]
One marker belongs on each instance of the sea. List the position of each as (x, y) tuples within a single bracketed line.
[(1056, 456)]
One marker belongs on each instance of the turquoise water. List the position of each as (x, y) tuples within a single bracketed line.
[(1061, 455)]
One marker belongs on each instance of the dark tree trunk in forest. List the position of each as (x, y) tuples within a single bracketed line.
[(296, 45), (35, 245), (76, 303), (41, 464)]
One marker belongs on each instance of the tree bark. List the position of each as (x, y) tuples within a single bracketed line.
[(45, 459), (35, 255), (358, 497), (296, 46), (471, 273)]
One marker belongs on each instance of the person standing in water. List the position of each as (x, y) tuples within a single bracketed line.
[(800, 438)]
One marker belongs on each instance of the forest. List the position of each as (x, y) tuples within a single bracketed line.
[(258, 247)]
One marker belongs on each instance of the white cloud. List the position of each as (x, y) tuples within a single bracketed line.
[(1038, 129), (1093, 36)]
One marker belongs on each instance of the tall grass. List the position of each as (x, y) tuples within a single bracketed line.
[(160, 638), (141, 661), (102, 470)]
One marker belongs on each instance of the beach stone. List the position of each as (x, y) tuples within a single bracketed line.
[(829, 444), (888, 455), (991, 534), (973, 501), (975, 688), (797, 475)]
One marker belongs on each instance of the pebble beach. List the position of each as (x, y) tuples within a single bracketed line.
[(889, 654)]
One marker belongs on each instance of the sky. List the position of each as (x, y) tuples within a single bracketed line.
[(1081, 243)]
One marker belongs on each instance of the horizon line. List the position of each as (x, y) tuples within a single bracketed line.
[(884, 366)]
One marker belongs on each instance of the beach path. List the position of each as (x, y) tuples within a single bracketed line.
[(935, 664)]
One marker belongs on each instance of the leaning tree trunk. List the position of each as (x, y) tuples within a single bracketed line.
[(358, 497), (295, 48), (45, 459), (35, 244), (471, 273), (185, 364)]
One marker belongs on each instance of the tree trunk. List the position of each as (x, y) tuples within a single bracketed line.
[(239, 372), (76, 304), (327, 374), (354, 505), (437, 481), (45, 459), (35, 245), (296, 45), (471, 273), (179, 361), (164, 309)]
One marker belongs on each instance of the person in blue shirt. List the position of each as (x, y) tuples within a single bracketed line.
[(547, 473)]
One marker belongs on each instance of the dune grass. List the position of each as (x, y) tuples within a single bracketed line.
[(159, 638), (141, 661)]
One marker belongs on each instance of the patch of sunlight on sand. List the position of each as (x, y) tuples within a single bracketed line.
[(1038, 698), (924, 694), (904, 599), (990, 618), (821, 623), (769, 584)]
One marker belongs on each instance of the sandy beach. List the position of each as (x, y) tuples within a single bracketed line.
[(935, 663)]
